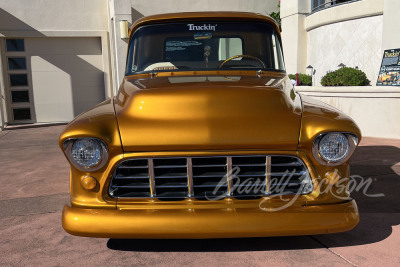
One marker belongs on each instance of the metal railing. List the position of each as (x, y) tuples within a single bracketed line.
[(317, 5)]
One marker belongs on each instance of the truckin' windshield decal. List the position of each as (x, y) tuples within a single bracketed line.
[(203, 27)]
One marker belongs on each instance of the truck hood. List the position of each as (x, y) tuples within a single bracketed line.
[(208, 113)]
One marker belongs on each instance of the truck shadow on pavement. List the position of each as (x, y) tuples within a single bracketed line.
[(377, 215)]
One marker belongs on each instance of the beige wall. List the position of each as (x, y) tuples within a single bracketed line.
[(294, 35), (391, 36), (67, 76), (354, 43), (348, 11), (53, 15), (376, 110), (350, 34), (46, 19), (118, 10)]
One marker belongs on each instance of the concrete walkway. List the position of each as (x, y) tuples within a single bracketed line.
[(34, 187)]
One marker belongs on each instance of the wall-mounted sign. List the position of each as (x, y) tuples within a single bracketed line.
[(389, 73)]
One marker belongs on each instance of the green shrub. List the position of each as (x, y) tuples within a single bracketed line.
[(345, 77), (304, 79)]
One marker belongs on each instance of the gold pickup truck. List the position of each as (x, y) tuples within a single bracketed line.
[(207, 138)]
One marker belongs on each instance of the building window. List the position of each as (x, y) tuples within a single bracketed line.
[(22, 114), (18, 80), (15, 45), (16, 63), (317, 5), (19, 96)]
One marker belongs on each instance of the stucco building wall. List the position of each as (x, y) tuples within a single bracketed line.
[(354, 43), (354, 33), (53, 15), (391, 36), (375, 109), (66, 50)]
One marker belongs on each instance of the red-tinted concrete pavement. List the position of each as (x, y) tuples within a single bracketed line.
[(34, 187)]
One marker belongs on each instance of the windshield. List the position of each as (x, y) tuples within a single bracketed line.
[(205, 46)]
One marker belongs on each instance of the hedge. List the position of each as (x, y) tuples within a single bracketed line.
[(345, 77)]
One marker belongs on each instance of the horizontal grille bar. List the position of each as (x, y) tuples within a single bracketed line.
[(208, 178)]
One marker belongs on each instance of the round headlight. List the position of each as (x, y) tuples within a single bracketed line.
[(87, 152), (333, 147)]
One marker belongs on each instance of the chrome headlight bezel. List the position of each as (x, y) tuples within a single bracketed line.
[(67, 145), (352, 140)]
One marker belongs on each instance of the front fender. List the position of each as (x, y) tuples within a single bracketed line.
[(99, 122), (318, 118)]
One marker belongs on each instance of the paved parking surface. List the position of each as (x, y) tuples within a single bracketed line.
[(34, 188)]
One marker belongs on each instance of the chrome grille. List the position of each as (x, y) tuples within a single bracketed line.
[(207, 178)]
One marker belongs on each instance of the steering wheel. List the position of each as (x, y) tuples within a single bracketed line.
[(246, 56)]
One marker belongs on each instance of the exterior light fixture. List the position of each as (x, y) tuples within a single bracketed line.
[(310, 71), (341, 65), (123, 28)]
